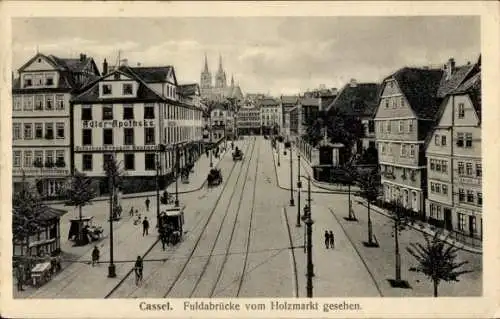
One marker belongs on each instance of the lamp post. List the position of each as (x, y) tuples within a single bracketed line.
[(309, 222), (299, 186), (211, 141), (111, 267), (177, 175), (278, 150), (158, 190), (291, 179)]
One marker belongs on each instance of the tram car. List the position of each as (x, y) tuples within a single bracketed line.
[(172, 223), (214, 178), (237, 154)]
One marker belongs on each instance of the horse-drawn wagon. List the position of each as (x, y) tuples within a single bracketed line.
[(237, 154), (171, 223), (214, 178)]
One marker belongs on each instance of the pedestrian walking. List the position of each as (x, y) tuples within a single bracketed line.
[(95, 256), (138, 270), (332, 240), (145, 226), (147, 204), (163, 238), (327, 238), (20, 277), (131, 213)]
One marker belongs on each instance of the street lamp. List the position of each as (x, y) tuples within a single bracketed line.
[(309, 222), (278, 151), (177, 175), (299, 186), (291, 179), (211, 132), (111, 177)]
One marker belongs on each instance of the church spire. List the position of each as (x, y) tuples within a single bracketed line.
[(206, 64), (220, 63)]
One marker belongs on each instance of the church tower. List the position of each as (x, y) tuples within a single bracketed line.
[(220, 77), (206, 77)]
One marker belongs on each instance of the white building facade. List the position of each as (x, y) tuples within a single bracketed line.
[(141, 124), (41, 146)]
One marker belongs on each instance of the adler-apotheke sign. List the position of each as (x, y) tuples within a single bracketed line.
[(118, 124), (113, 148)]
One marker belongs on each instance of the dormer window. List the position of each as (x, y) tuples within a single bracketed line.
[(106, 89), (127, 89)]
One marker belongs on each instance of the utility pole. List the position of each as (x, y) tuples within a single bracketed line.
[(291, 180), (278, 150), (158, 190), (299, 186), (309, 222), (177, 175), (210, 151), (111, 267)]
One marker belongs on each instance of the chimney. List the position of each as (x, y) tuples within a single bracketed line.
[(105, 67), (353, 83), (450, 68), (83, 57)]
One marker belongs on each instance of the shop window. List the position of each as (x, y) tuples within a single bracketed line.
[(149, 136), (87, 162), (150, 161), (130, 162)]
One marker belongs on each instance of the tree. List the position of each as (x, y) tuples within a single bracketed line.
[(114, 175), (400, 219), (437, 260), (26, 207), (79, 194), (369, 184)]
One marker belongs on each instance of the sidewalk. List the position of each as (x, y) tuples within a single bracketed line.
[(283, 174), (422, 227), (196, 181), (338, 272)]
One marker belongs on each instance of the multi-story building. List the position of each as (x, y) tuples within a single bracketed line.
[(286, 104), (302, 115), (358, 100), (134, 114), (270, 113), (222, 121), (41, 145), (248, 120), (454, 161), (406, 114)]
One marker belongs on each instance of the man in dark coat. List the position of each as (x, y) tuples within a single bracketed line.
[(327, 238), (138, 270), (332, 240), (20, 277), (145, 226)]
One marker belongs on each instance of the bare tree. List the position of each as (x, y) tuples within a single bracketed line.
[(79, 194), (437, 260), (400, 218), (114, 175), (352, 175)]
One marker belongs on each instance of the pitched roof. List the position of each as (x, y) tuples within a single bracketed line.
[(458, 75), (289, 99), (154, 74), (188, 89), (420, 87), (472, 87), (357, 100), (268, 102), (92, 92), (309, 101)]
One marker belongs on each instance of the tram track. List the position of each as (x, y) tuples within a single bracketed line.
[(226, 213), (196, 245), (230, 242), (120, 283)]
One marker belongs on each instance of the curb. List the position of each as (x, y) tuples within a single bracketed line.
[(312, 182), (136, 195), (454, 244)]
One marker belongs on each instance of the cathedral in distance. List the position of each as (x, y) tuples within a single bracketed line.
[(218, 90)]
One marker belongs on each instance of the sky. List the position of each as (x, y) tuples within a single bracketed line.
[(275, 55)]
